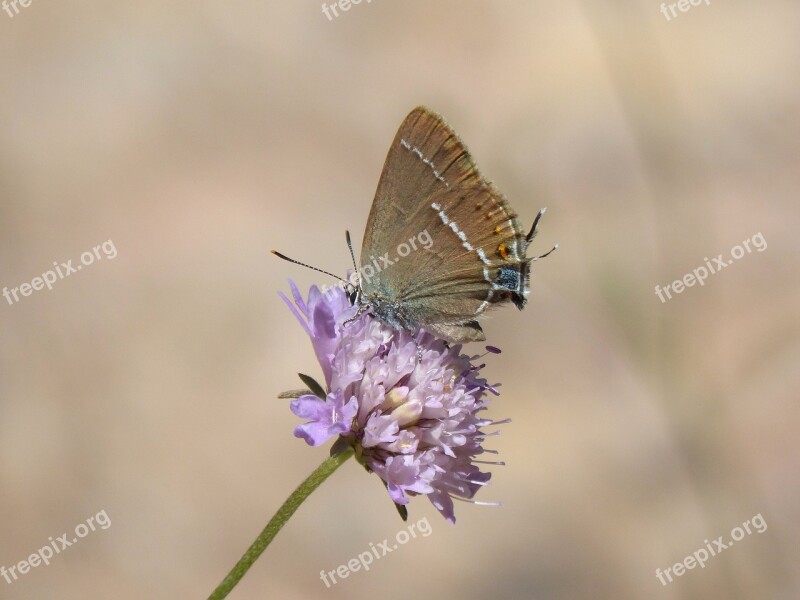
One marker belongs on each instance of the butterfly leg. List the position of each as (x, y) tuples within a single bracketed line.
[(361, 309)]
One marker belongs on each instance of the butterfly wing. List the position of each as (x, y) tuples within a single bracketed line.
[(476, 256), (425, 157)]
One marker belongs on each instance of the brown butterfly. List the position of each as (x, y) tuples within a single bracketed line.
[(476, 259)]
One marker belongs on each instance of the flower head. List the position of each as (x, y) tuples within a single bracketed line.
[(409, 405)]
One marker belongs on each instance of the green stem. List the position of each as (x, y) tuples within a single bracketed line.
[(286, 510)]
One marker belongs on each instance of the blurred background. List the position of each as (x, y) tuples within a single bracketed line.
[(198, 136)]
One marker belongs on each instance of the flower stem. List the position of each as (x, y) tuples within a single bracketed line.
[(286, 510)]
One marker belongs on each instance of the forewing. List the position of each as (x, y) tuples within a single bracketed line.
[(425, 157)]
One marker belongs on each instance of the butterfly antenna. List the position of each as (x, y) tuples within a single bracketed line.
[(297, 262), (353, 256)]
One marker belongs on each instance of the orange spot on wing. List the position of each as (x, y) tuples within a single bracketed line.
[(503, 252)]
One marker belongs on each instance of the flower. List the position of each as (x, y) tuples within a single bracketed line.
[(408, 404)]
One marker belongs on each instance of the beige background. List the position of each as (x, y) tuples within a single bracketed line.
[(199, 135)]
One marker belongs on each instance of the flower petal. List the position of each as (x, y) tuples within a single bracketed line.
[(328, 417)]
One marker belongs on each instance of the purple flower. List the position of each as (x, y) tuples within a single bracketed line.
[(409, 408)]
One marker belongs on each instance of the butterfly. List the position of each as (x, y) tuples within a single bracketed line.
[(477, 256)]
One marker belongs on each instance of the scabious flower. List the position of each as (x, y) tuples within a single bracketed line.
[(409, 407)]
